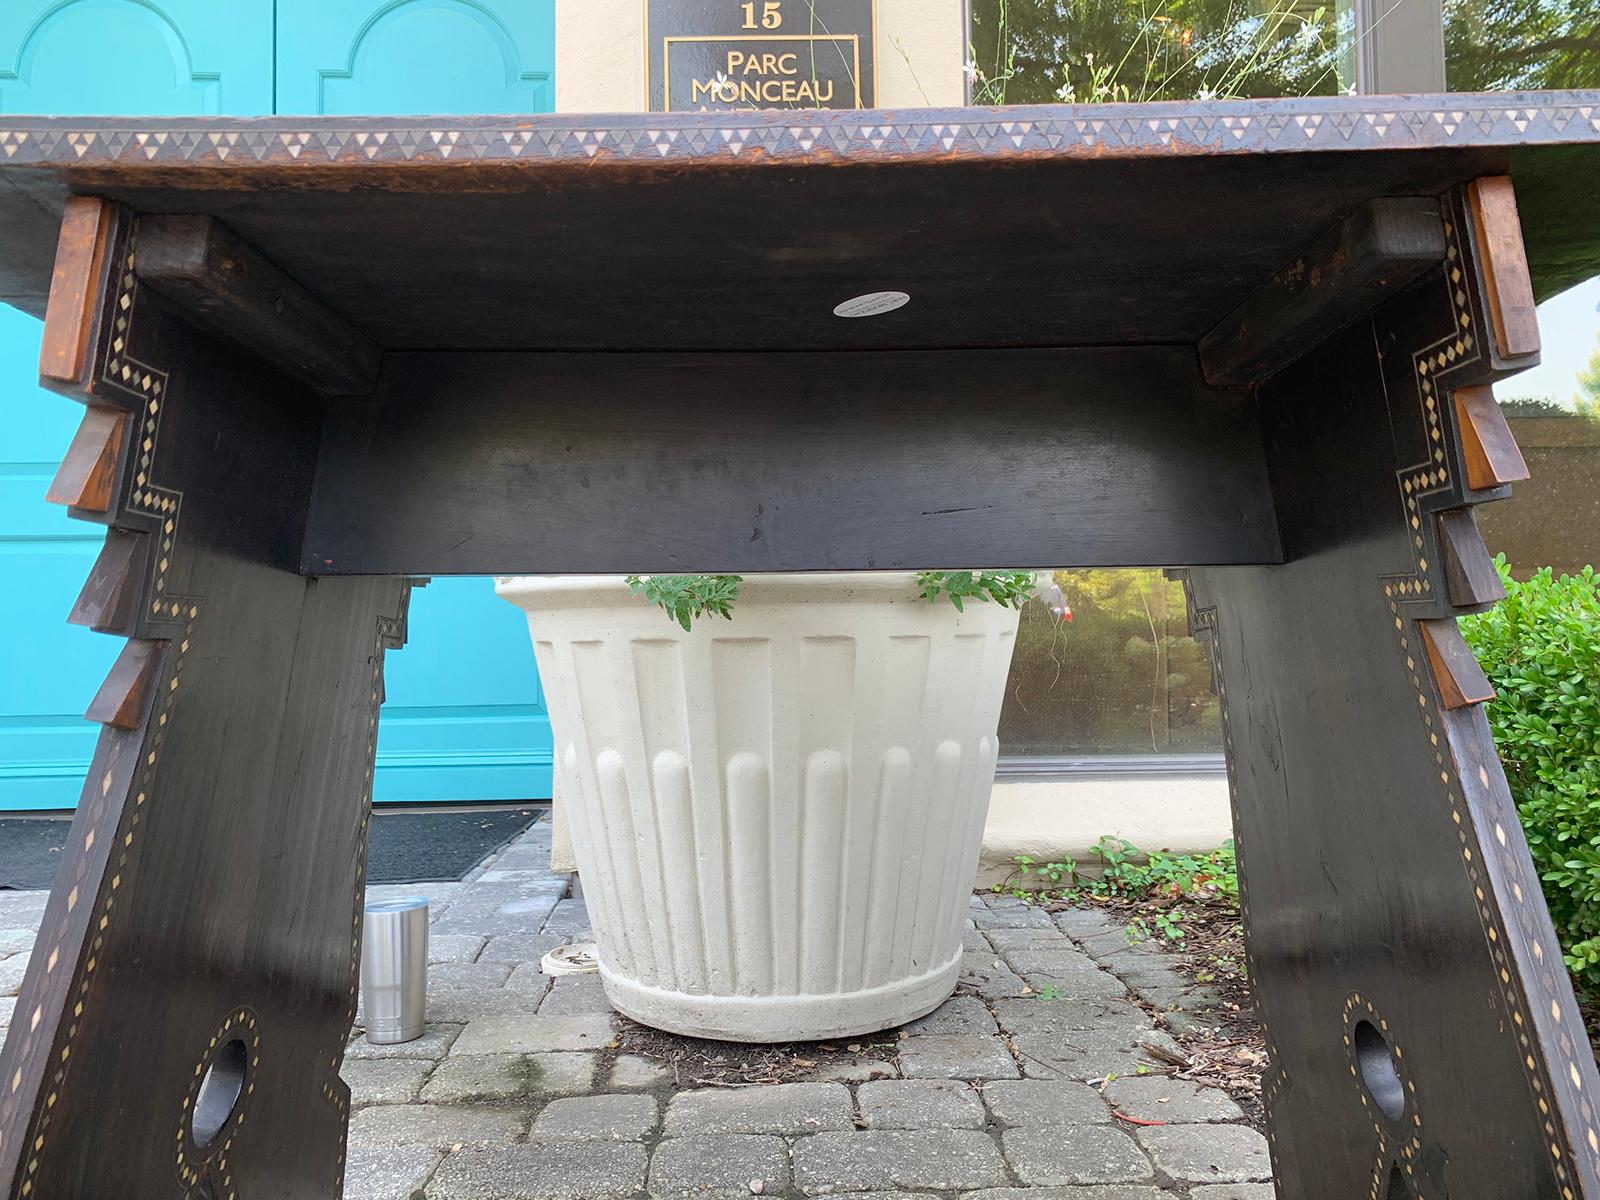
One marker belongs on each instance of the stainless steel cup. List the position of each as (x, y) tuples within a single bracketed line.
[(394, 969)]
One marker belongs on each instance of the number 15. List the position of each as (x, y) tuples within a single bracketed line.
[(771, 17)]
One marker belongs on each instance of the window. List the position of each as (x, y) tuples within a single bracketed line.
[(1121, 676), (1044, 51), (1499, 45)]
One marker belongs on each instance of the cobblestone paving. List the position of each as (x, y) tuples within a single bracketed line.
[(1014, 1089)]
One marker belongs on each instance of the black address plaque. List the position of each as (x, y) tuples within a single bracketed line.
[(747, 54)]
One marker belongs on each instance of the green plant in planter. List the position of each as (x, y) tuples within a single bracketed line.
[(685, 598)]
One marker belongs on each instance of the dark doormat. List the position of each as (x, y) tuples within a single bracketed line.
[(30, 847), (408, 847), (402, 847)]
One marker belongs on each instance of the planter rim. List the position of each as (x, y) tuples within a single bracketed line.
[(607, 591)]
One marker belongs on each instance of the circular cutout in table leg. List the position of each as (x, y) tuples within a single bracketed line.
[(219, 1091), (1378, 1070)]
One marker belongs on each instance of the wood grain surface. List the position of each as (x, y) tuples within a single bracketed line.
[(1507, 282), (1348, 270), (777, 462), (224, 284), (81, 249)]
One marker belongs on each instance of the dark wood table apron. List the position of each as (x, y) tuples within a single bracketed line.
[(1252, 339)]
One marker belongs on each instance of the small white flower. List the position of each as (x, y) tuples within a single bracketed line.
[(971, 68)]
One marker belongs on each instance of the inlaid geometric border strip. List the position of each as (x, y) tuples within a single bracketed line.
[(1431, 477), (147, 385), (1216, 127)]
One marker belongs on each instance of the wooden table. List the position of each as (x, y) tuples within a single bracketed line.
[(1253, 339)]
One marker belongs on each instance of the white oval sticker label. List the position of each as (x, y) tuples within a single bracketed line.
[(872, 304)]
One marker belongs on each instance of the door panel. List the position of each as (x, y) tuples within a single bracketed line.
[(176, 57), (465, 718), (416, 56)]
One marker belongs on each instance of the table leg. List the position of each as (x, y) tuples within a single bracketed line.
[(1423, 1036), (184, 1015)]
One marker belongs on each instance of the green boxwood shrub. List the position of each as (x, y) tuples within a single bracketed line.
[(1541, 649)]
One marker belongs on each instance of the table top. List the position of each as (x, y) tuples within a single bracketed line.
[(1054, 225)]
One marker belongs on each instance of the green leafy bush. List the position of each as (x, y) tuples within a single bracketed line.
[(1540, 647)]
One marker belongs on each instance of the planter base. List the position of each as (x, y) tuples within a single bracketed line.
[(805, 1018)]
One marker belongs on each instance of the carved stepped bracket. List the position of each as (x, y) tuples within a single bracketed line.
[(1393, 915), (182, 1022)]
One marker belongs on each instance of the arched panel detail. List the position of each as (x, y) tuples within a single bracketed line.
[(163, 24), (392, 12), (363, 69)]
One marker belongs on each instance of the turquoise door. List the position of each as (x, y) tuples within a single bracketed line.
[(464, 718), (83, 56)]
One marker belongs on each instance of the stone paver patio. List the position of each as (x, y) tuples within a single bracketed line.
[(1041, 1079)]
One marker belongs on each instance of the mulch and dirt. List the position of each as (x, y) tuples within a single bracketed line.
[(701, 1062)]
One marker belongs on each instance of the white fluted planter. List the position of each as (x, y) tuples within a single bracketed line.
[(777, 818)]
